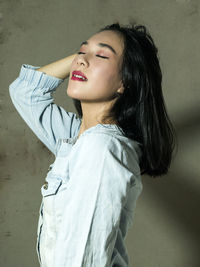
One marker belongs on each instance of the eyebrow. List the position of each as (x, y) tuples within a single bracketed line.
[(101, 45)]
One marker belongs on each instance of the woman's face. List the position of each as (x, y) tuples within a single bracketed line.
[(103, 79)]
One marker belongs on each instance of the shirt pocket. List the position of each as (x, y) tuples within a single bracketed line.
[(50, 192), (51, 186), (60, 167)]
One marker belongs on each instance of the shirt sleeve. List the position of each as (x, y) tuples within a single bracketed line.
[(97, 191), (31, 94)]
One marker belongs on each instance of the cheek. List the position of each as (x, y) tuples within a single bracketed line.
[(105, 75), (104, 84)]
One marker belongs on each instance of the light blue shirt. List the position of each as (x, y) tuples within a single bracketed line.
[(90, 191)]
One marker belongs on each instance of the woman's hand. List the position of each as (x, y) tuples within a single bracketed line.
[(60, 68)]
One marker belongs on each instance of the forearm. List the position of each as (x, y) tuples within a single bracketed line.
[(31, 94), (59, 68)]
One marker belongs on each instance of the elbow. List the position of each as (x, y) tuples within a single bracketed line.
[(13, 90)]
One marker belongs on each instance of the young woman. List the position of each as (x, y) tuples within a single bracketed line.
[(122, 131)]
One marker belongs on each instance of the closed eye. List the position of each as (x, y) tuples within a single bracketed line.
[(96, 55)]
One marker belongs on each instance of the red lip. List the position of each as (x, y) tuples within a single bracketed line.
[(78, 79), (78, 72)]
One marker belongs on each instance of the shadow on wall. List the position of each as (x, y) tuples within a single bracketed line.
[(180, 198)]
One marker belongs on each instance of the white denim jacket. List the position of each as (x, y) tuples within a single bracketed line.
[(90, 191)]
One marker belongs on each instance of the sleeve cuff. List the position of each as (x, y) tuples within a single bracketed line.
[(38, 78)]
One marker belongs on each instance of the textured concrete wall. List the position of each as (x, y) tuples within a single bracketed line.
[(166, 227)]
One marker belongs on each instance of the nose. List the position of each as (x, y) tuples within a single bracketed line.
[(82, 61)]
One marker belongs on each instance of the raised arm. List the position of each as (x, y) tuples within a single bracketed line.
[(31, 94)]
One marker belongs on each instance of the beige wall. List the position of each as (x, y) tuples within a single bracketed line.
[(166, 227)]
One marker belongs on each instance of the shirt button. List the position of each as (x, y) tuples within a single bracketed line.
[(45, 186), (50, 167)]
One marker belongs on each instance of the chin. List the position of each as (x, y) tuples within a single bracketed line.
[(73, 95)]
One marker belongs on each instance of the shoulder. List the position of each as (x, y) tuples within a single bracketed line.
[(106, 143), (102, 139), (95, 142)]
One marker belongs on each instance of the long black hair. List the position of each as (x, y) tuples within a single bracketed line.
[(140, 110)]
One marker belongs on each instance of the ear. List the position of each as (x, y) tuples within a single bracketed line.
[(120, 90)]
